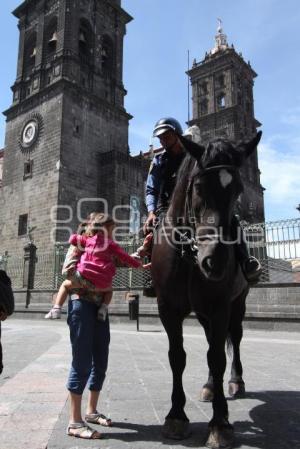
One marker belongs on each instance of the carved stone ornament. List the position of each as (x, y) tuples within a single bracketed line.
[(31, 132)]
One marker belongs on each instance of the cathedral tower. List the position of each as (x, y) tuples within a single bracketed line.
[(222, 99), (67, 110)]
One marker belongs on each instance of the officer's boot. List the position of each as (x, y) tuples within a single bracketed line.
[(250, 266)]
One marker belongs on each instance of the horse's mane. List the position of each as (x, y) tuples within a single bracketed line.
[(180, 190), (221, 152)]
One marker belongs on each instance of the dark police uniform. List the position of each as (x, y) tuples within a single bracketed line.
[(161, 181)]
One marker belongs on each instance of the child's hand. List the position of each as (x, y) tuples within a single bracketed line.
[(146, 266)]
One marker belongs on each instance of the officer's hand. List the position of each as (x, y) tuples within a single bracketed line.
[(149, 223)]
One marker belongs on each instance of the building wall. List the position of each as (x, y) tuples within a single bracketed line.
[(120, 177), (224, 73), (73, 87), (88, 130), (35, 195), (1, 166)]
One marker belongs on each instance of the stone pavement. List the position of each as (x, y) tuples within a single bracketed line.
[(136, 394)]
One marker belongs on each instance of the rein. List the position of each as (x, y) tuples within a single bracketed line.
[(204, 171), (187, 245)]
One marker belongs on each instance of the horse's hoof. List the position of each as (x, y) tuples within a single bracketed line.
[(220, 438), (236, 389), (175, 429), (206, 394)]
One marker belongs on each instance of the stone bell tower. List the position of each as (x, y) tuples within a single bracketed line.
[(222, 98), (67, 110)]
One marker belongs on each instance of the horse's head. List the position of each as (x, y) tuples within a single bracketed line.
[(214, 184)]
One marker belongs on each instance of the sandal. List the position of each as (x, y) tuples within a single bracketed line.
[(54, 314), (82, 430), (98, 418)]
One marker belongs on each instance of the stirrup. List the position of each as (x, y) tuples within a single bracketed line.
[(252, 269)]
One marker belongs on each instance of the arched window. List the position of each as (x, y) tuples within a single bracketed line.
[(85, 41), (221, 101), (220, 81), (107, 55), (203, 88), (50, 37), (29, 52), (203, 107)]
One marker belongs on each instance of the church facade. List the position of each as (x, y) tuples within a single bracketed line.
[(223, 106), (66, 144)]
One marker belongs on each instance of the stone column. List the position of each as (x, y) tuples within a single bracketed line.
[(29, 269)]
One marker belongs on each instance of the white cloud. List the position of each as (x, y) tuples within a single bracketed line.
[(292, 116), (280, 175)]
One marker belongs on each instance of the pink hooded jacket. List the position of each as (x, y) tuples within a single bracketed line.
[(97, 262)]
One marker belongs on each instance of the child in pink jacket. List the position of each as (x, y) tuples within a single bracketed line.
[(96, 268)]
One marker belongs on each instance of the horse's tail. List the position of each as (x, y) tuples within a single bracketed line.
[(229, 346)]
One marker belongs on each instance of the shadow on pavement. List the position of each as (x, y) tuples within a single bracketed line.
[(152, 433), (274, 423)]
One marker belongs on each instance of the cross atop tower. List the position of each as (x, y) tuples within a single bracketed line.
[(220, 39)]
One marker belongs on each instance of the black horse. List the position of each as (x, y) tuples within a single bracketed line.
[(194, 268)]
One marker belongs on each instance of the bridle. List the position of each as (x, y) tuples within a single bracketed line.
[(189, 211), (200, 172), (187, 246)]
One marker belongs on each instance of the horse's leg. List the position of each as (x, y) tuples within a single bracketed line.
[(207, 392), (220, 431), (236, 386), (176, 423)]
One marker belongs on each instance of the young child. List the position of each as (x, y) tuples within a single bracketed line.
[(69, 266), (95, 269)]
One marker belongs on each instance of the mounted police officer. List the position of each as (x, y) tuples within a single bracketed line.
[(160, 184), (162, 174)]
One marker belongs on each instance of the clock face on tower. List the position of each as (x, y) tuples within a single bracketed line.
[(30, 133)]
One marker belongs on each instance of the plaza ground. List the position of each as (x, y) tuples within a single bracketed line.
[(136, 393)]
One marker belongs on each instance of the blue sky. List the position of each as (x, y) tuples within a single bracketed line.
[(155, 61)]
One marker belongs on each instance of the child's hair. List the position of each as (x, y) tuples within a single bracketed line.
[(91, 216), (83, 227), (97, 222)]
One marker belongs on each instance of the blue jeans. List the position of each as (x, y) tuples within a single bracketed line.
[(90, 346)]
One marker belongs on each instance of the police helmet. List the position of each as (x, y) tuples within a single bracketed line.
[(167, 124)]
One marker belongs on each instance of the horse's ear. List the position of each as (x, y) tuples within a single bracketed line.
[(249, 147), (191, 147)]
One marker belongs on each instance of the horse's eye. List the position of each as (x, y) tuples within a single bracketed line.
[(198, 188)]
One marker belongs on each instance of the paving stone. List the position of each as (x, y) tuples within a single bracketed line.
[(138, 386)]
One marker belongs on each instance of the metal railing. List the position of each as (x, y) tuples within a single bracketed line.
[(14, 266), (275, 244)]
